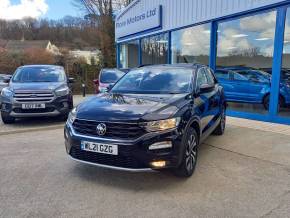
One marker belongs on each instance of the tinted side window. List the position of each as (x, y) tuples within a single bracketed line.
[(202, 78), (210, 78), (239, 76)]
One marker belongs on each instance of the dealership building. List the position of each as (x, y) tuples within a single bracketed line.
[(246, 42)]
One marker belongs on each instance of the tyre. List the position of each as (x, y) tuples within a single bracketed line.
[(64, 117), (187, 167), (6, 118), (71, 104), (266, 102), (281, 102), (220, 129)]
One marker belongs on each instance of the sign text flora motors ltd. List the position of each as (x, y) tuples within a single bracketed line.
[(137, 21)]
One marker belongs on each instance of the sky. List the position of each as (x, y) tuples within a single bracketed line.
[(52, 9)]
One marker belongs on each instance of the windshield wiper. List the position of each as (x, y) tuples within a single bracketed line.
[(174, 93)]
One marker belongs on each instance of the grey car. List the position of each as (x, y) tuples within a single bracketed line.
[(36, 91)]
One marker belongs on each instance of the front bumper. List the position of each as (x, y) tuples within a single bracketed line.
[(58, 106), (133, 156)]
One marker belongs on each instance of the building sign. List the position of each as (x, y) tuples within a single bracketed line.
[(134, 21)]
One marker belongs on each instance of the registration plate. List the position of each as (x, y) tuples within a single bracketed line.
[(33, 106), (99, 148)]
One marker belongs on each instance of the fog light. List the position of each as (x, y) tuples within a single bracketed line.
[(158, 164), (160, 145)]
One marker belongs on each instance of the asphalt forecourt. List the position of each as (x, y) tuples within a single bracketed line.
[(38, 179)]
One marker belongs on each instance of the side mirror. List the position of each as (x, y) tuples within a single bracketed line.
[(71, 80), (109, 87), (204, 88), (6, 80), (96, 82)]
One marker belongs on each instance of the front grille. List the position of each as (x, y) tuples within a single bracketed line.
[(31, 111), (114, 130), (33, 96), (121, 160)]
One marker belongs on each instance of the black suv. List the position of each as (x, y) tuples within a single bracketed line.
[(152, 118), (37, 90)]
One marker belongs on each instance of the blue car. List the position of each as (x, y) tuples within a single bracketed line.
[(247, 85)]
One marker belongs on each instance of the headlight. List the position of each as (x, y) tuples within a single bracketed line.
[(72, 116), (161, 125), (62, 91), (6, 92)]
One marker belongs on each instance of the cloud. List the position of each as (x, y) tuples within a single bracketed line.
[(196, 41), (26, 8), (227, 43), (249, 33), (259, 23)]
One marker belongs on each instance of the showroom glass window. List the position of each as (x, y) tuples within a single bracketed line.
[(155, 49), (244, 54), (191, 45), (284, 106), (129, 54)]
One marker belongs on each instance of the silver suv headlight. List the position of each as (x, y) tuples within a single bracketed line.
[(62, 91), (7, 93), (162, 125)]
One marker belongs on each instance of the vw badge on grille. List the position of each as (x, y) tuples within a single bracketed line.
[(101, 129)]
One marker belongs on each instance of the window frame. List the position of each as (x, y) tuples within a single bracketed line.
[(119, 50)]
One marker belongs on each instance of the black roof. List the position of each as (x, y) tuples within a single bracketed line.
[(190, 66)]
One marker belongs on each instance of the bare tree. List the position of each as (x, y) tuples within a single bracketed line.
[(101, 7), (102, 11)]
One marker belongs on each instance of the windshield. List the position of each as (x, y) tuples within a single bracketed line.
[(155, 81), (39, 74), (111, 76)]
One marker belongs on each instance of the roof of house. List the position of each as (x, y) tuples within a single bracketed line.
[(26, 44)]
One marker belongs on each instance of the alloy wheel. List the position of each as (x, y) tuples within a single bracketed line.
[(191, 153)]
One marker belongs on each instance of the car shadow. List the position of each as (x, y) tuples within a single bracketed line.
[(154, 180), (36, 121)]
